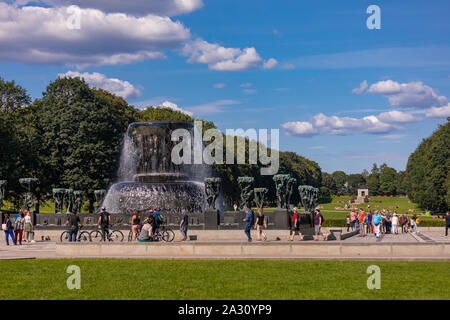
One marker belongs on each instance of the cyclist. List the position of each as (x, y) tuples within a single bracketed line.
[(104, 221), (74, 222), (158, 217)]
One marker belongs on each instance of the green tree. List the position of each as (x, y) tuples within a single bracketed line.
[(388, 181), (340, 177), (427, 171), (354, 181), (12, 96), (81, 131), (373, 180), (329, 187)]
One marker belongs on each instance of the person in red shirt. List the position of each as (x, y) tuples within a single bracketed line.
[(295, 225), (362, 216)]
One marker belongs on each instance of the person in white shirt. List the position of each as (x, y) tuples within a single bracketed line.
[(395, 223)]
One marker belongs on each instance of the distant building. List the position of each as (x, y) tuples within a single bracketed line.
[(363, 191)]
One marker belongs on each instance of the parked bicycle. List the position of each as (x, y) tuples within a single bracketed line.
[(111, 235), (163, 228), (82, 236)]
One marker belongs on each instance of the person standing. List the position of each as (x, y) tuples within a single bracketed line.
[(395, 223), (369, 222), (295, 225), (388, 222), (19, 225), (348, 222), (447, 223), (260, 224), (249, 222), (353, 219), (318, 220), (414, 223), (29, 233), (135, 225), (104, 221), (404, 222), (184, 223), (74, 222), (377, 223), (362, 217), (8, 228)]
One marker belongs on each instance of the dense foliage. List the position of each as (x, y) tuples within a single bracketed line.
[(428, 171), (71, 138)]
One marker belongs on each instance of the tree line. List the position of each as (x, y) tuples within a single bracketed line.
[(71, 137), (425, 181)]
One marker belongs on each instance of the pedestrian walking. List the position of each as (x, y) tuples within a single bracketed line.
[(447, 223), (295, 224), (377, 223), (348, 223), (8, 228), (369, 222), (104, 221), (249, 222), (361, 217), (404, 223), (19, 225), (413, 223), (318, 221), (260, 225), (184, 223)]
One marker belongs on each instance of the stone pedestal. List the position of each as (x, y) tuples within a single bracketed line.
[(281, 219), (212, 219)]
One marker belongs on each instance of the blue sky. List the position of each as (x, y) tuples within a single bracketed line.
[(303, 62)]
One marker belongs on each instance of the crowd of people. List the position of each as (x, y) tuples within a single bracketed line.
[(376, 222), (380, 222), (21, 230)]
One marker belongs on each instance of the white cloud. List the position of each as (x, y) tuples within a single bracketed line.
[(175, 107), (288, 66), (119, 87), (212, 107), (408, 95), (299, 129), (135, 7), (396, 116), (220, 58), (40, 35), (270, 64), (362, 87), (220, 85), (249, 91), (246, 85), (347, 125), (438, 112)]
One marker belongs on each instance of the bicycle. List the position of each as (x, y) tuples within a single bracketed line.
[(130, 235), (169, 231), (83, 236), (111, 235)]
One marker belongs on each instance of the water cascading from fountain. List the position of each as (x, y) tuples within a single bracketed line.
[(148, 178)]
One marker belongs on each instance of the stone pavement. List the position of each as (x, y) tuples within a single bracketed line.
[(406, 237)]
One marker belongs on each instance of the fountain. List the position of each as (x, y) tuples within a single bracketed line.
[(149, 178)]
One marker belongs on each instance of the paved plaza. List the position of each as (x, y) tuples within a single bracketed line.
[(47, 249)]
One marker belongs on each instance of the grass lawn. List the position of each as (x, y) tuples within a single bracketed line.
[(223, 279), (400, 205)]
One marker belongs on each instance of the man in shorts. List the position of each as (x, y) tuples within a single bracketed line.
[(318, 220), (295, 225)]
